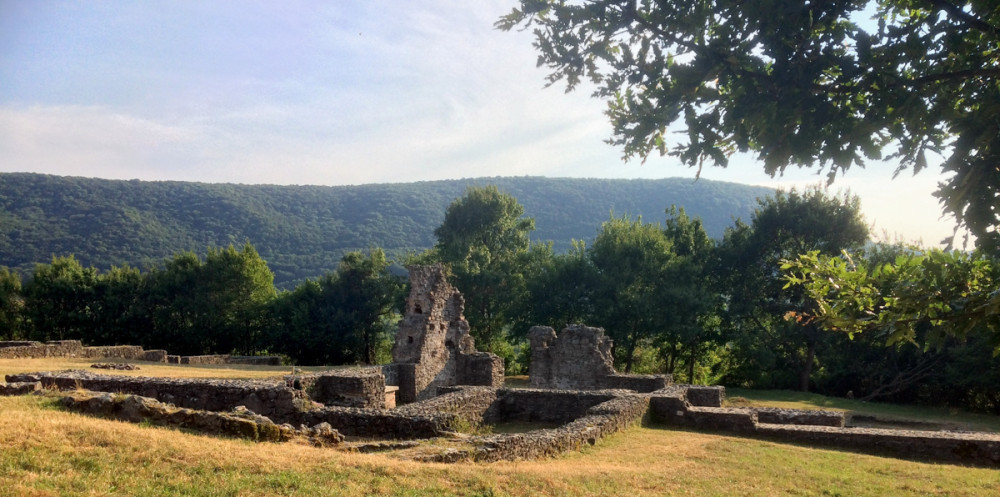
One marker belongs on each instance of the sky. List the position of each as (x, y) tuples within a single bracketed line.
[(332, 93)]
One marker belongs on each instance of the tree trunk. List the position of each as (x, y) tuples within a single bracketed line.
[(630, 356), (691, 360), (807, 366)]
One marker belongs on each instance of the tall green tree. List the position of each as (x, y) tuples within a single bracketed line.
[(484, 238), (342, 317), (238, 286), (560, 289), (688, 297), (11, 305), (119, 314), (368, 297), (174, 302), (213, 306), (59, 300), (631, 258), (798, 83), (767, 344)]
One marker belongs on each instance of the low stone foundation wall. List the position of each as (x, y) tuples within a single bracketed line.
[(255, 360), (547, 406), (642, 383), (378, 424), (203, 359), (227, 359), (585, 416), (771, 415), (272, 399), (20, 388), (136, 409), (467, 403), (599, 421), (825, 428), (61, 348), (129, 352), (19, 343), (75, 348), (157, 355), (240, 422), (967, 448), (356, 387)]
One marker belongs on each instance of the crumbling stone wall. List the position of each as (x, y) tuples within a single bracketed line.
[(20, 388), (240, 422), (579, 358), (480, 369), (75, 348), (356, 387), (129, 352), (19, 343), (228, 359), (56, 348), (771, 415), (267, 398), (547, 406), (598, 421), (433, 347), (469, 403), (378, 424)]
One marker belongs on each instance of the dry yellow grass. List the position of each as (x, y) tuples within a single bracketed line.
[(9, 366), (45, 451)]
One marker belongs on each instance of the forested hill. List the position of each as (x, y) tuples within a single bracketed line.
[(302, 231)]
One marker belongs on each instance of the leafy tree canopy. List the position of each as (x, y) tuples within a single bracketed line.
[(797, 83), (485, 240)]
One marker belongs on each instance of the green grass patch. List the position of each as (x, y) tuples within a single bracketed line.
[(941, 416)]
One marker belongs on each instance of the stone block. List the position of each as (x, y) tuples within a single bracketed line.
[(705, 396), (772, 415), (720, 418), (158, 355), (362, 387), (20, 388), (480, 369)]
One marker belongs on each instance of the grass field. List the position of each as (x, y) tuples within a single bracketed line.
[(45, 451)]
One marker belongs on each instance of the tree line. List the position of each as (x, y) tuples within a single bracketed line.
[(674, 300)]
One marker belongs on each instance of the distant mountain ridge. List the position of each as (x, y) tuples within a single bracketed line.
[(302, 231)]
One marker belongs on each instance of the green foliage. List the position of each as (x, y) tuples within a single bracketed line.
[(769, 350), (368, 299), (303, 231), (485, 239), (949, 293), (631, 258), (11, 305), (58, 299), (215, 306), (797, 83), (343, 317), (560, 289)]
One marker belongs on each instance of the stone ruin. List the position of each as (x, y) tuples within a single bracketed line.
[(436, 369), (433, 347), (24, 349), (579, 358)]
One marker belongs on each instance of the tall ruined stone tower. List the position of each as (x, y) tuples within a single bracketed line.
[(433, 347)]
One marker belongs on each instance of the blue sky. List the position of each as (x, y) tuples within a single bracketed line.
[(328, 93)]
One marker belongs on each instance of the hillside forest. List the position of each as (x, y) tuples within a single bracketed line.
[(303, 231), (727, 310)]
